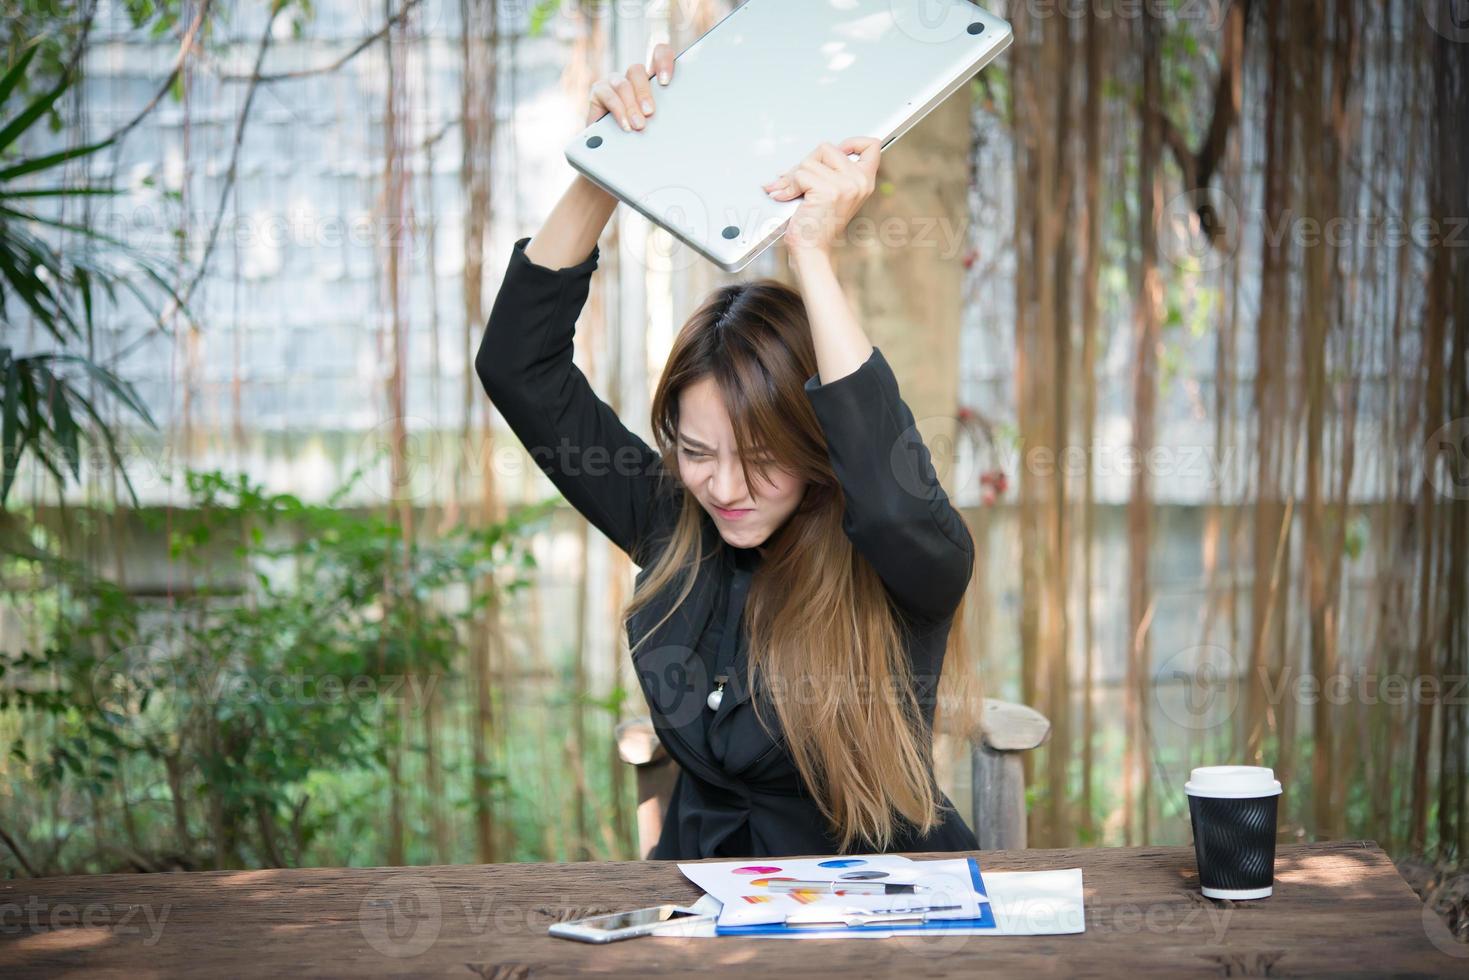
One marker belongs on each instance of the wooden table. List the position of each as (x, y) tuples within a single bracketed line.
[(1339, 909)]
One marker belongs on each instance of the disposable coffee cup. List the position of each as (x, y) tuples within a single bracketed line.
[(1233, 810)]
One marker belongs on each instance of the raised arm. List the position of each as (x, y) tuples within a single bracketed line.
[(603, 469), (897, 515), (525, 359)]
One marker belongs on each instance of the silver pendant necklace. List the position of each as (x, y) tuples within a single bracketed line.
[(743, 564), (716, 696)]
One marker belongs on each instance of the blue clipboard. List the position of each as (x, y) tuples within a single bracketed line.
[(986, 920)]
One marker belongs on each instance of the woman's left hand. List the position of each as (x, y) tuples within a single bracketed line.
[(833, 187)]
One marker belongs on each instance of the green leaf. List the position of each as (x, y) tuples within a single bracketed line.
[(84, 283), (65, 426), (10, 428), (543, 11), (38, 108), (18, 270), (17, 71), (105, 432), (52, 159), (63, 192), (122, 390), (83, 230)]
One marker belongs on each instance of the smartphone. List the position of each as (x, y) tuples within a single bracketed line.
[(626, 925)]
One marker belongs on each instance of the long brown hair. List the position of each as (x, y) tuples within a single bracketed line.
[(824, 637)]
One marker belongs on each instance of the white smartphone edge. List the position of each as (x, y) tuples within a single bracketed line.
[(572, 930)]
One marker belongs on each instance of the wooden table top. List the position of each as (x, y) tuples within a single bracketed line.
[(1339, 909)]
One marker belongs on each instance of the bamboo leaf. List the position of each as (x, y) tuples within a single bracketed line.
[(117, 387), (62, 192), (32, 291), (84, 230), (17, 71), (10, 429), (38, 427), (84, 283), (149, 273), (104, 432), (18, 270), (38, 108), (67, 434), (51, 160), (64, 426)]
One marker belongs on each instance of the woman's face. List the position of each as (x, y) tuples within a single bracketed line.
[(709, 466)]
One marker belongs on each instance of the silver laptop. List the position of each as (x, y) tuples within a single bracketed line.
[(761, 89)]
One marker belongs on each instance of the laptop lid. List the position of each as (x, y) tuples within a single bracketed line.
[(760, 90)]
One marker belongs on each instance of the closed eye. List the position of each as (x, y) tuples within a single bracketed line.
[(762, 462)]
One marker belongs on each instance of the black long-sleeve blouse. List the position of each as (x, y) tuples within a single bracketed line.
[(738, 792)]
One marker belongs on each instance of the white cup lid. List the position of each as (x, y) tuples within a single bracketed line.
[(1232, 782)]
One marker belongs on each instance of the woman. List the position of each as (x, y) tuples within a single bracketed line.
[(801, 567)]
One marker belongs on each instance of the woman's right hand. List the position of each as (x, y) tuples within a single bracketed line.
[(629, 97)]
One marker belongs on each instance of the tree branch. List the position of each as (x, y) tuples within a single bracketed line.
[(186, 44), (19, 854), (229, 179), (361, 46), (254, 78), (1198, 168)]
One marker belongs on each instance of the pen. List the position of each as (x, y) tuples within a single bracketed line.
[(847, 887), (856, 918)]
